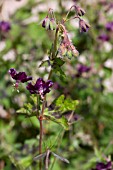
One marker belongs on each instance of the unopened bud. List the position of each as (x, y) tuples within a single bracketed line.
[(49, 24), (84, 27), (79, 11)]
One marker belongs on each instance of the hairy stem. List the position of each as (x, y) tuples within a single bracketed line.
[(40, 118), (40, 141), (41, 134)]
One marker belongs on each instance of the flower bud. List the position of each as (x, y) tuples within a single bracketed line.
[(52, 24), (45, 22), (49, 24), (84, 27), (79, 11)]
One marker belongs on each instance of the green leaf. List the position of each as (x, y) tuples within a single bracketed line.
[(107, 71), (58, 62), (26, 161), (62, 121), (64, 105), (60, 100), (34, 98), (24, 111), (60, 157), (15, 162), (59, 72)]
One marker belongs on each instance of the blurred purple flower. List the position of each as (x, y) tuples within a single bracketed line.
[(19, 77), (5, 26), (109, 26), (82, 69), (104, 37), (75, 0), (103, 166), (41, 87), (84, 27)]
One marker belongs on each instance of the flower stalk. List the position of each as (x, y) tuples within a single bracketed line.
[(41, 117)]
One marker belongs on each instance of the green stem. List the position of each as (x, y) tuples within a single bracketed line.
[(55, 44)]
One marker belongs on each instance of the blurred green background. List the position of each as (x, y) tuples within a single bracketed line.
[(23, 48)]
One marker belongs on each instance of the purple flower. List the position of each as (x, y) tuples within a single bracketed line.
[(5, 26), (41, 87), (84, 27), (104, 37), (109, 26), (19, 77), (103, 166)]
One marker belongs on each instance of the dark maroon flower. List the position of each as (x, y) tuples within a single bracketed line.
[(109, 26), (5, 26), (41, 87), (84, 27), (19, 77), (104, 37), (103, 166)]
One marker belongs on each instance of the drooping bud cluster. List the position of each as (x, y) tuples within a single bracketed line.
[(66, 47), (79, 10), (84, 27), (49, 21)]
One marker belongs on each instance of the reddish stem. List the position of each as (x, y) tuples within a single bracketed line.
[(40, 139)]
